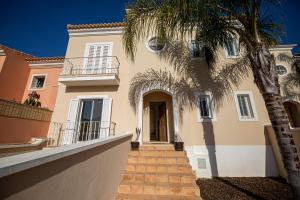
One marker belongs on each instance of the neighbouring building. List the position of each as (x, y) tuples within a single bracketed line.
[(43, 78), (21, 74), (93, 89), (14, 72)]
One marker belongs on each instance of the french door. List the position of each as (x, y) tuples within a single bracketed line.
[(90, 119), (98, 60)]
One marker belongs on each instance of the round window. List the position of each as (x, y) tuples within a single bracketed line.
[(281, 70), (156, 44)]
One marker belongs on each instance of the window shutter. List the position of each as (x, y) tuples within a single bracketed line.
[(106, 117), (105, 59), (71, 126), (90, 60), (97, 58)]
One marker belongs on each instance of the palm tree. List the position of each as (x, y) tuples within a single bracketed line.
[(214, 22)]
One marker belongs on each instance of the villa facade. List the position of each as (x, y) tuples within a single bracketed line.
[(228, 139)]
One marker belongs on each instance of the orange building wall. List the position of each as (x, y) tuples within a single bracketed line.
[(49, 92), (2, 59), (13, 76), (14, 130)]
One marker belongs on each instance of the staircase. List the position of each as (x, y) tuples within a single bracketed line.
[(158, 172)]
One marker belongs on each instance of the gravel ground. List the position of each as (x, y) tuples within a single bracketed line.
[(244, 189)]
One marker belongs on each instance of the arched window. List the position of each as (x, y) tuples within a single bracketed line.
[(281, 70)]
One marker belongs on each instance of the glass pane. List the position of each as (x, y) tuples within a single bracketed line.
[(40, 82), (245, 106), (231, 47), (196, 48), (281, 70), (33, 84), (156, 44), (204, 106), (97, 111), (86, 110)]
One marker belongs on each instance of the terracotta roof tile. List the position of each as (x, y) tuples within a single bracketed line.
[(94, 26), (45, 59), (3, 47)]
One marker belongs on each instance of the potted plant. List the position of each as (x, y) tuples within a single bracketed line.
[(135, 144), (33, 99), (178, 144)]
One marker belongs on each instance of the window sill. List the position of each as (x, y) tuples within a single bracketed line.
[(206, 120), (233, 57), (34, 89), (248, 119)]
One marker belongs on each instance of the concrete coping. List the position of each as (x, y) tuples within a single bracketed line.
[(17, 163)]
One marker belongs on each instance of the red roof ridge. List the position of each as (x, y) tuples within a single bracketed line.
[(46, 59)]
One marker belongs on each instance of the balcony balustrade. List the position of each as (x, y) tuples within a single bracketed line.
[(72, 132), (90, 71)]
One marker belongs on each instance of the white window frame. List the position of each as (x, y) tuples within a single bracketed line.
[(86, 52), (44, 85), (191, 52), (213, 118), (239, 52), (241, 118), (287, 70), (151, 50)]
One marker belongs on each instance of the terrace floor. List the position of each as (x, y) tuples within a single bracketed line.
[(250, 188)]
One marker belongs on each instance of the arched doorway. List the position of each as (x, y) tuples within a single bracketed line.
[(158, 118), (293, 110)]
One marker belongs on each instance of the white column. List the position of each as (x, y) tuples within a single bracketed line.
[(140, 117), (175, 115)]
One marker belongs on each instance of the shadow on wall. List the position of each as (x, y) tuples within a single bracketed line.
[(271, 169), (91, 88), (209, 138)]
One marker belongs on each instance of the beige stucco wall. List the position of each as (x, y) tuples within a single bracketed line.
[(226, 130), (91, 175)]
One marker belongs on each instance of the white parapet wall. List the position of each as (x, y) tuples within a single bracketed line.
[(232, 161), (84, 170)]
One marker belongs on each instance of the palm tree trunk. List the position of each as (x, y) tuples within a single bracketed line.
[(263, 68)]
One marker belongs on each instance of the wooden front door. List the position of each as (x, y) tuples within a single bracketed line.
[(158, 122)]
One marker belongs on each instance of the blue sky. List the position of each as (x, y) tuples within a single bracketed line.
[(39, 27)]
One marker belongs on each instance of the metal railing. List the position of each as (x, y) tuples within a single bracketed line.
[(72, 132), (100, 65)]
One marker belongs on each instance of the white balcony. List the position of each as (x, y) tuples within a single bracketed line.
[(90, 71)]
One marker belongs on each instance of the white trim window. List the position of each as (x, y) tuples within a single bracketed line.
[(38, 81), (89, 118), (281, 70), (245, 106), (155, 44), (232, 48), (205, 111), (196, 49), (98, 57)]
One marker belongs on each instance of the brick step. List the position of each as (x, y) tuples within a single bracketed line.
[(162, 153), (192, 184), (159, 190), (160, 168), (167, 147), (154, 197), (152, 168), (157, 160), (158, 178)]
